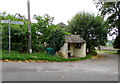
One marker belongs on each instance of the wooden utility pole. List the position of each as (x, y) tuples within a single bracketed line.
[(29, 29), (9, 37)]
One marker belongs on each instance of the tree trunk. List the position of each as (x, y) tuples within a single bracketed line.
[(89, 50), (119, 26)]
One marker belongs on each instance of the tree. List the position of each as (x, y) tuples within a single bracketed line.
[(43, 26), (41, 31), (112, 11), (44, 31), (56, 39), (19, 32), (91, 28)]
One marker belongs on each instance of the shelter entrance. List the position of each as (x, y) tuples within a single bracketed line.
[(71, 47)]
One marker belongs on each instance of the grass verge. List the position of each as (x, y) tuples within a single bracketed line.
[(108, 52), (37, 57)]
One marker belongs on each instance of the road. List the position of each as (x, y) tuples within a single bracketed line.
[(102, 69)]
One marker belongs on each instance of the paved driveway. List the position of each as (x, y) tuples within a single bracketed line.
[(103, 69)]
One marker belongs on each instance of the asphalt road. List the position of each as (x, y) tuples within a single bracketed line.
[(102, 69)]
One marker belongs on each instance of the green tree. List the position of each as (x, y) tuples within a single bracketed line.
[(112, 11), (43, 26), (91, 28), (41, 31), (45, 31), (18, 32), (56, 39)]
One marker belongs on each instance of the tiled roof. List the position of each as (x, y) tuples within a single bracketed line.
[(61, 24), (74, 39)]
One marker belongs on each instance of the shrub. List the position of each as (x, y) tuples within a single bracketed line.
[(56, 40), (116, 44)]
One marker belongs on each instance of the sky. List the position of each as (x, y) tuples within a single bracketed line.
[(62, 10)]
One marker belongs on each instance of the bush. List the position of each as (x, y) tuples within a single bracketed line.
[(56, 40), (116, 43), (18, 40), (38, 47), (118, 51)]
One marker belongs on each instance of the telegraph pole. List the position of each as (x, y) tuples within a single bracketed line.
[(9, 37), (29, 29)]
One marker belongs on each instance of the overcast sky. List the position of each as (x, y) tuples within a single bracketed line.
[(62, 10)]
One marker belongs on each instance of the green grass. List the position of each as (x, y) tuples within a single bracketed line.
[(107, 52), (115, 49), (16, 56)]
